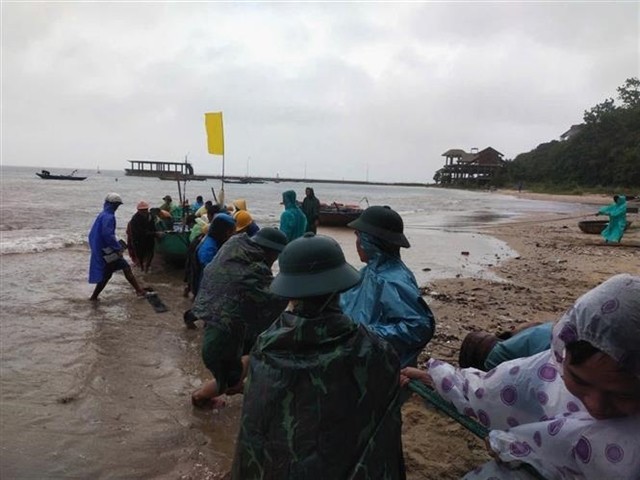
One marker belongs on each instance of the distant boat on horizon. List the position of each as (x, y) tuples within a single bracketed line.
[(46, 175)]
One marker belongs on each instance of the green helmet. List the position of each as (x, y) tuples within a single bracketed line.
[(311, 266), (270, 237), (382, 222)]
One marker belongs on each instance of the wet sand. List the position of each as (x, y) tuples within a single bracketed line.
[(102, 391)]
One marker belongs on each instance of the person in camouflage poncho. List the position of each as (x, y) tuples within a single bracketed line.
[(236, 305), (321, 398)]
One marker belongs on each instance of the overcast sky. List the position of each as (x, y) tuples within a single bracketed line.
[(334, 90)]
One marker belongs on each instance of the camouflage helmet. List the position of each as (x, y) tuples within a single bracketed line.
[(271, 238), (382, 222), (311, 266)]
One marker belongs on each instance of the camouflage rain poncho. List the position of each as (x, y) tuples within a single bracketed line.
[(320, 402), (234, 294)]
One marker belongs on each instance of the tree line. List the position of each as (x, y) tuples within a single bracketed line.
[(605, 153)]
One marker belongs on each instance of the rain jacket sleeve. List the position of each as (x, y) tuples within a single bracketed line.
[(388, 302)]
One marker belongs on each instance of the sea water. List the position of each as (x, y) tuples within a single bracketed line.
[(102, 390)]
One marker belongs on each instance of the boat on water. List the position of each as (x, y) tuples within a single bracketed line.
[(596, 226), (338, 214), (47, 175)]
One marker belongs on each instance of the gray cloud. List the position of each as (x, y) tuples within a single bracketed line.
[(333, 89)]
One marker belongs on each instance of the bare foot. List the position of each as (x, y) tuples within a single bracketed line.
[(208, 403)]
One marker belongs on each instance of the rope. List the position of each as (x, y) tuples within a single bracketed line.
[(441, 404), (431, 396)]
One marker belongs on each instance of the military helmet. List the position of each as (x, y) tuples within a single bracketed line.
[(311, 266), (271, 238), (382, 222)]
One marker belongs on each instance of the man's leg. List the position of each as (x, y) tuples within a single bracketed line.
[(100, 286), (132, 280)]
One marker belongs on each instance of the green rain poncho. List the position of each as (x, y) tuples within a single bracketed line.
[(321, 401), (617, 219)]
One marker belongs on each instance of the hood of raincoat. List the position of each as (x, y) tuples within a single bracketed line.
[(240, 204), (608, 317), (377, 248), (289, 199), (220, 225)]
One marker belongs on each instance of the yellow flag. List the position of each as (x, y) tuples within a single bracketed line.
[(215, 133)]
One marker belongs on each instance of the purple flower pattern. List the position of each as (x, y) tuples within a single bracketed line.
[(554, 427), (573, 407), (483, 417), (520, 449), (610, 306), (542, 397), (614, 453), (509, 395), (583, 450), (537, 438), (447, 384), (547, 372), (512, 422), (568, 333)]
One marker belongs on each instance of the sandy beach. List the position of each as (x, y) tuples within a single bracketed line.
[(556, 263)]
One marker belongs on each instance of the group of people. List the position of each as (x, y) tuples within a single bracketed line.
[(298, 218), (323, 354), (317, 350)]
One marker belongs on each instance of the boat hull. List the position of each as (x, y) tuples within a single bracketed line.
[(337, 215), (173, 247), (59, 177), (595, 227)]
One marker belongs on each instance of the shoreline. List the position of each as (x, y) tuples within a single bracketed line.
[(556, 263)]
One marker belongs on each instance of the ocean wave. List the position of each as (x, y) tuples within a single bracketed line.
[(37, 243)]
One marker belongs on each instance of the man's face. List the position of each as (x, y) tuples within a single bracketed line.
[(361, 253), (605, 391)]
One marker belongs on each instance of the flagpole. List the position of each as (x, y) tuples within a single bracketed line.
[(222, 188)]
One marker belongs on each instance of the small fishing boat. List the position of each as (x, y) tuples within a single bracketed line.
[(595, 226), (47, 175), (173, 246), (337, 214)]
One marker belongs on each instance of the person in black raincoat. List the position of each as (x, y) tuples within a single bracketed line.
[(311, 209), (236, 305), (322, 394), (141, 236)]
